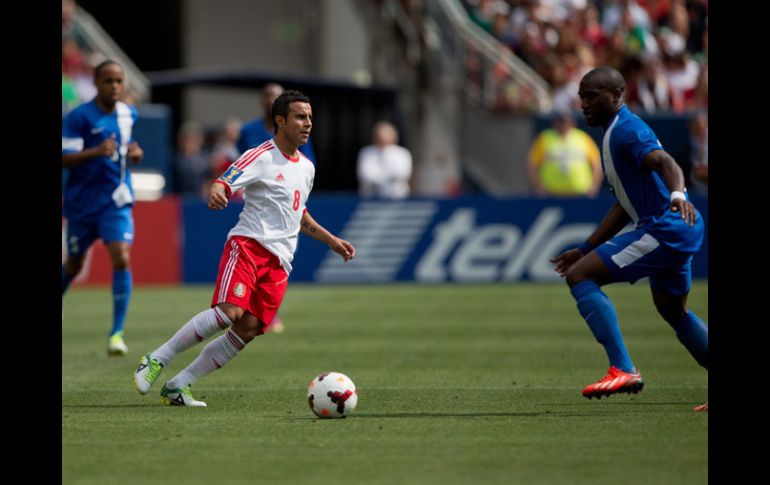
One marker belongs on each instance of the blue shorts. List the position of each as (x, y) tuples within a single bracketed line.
[(115, 225), (636, 254)]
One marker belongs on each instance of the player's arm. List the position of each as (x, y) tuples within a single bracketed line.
[(135, 153), (70, 159), (219, 195), (615, 220), (673, 178), (311, 228), (241, 173)]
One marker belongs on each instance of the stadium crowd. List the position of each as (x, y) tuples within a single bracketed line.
[(660, 47)]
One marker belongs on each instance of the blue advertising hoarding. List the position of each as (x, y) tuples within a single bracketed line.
[(469, 240)]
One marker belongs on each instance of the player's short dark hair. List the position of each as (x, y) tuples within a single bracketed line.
[(607, 78), (282, 102), (98, 69)]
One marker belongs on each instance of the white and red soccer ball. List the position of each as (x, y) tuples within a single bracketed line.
[(332, 395)]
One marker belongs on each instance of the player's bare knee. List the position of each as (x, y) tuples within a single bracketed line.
[(234, 313), (120, 264), (574, 277), (247, 329)]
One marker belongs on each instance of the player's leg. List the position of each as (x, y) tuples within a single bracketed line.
[(214, 356), (626, 257), (80, 236), (116, 229), (218, 352), (670, 290), (585, 279), (691, 331), (264, 300), (122, 286), (231, 296), (224, 348), (70, 270), (198, 328)]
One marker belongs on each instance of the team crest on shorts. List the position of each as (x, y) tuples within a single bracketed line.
[(239, 290)]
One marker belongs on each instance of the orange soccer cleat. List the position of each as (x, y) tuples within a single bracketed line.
[(702, 407), (614, 382)]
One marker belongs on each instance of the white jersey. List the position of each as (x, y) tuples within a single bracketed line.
[(276, 190)]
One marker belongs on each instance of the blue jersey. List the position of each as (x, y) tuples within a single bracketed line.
[(101, 183), (640, 191), (254, 133)]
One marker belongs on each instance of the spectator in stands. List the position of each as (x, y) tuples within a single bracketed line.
[(225, 150), (699, 153), (191, 164), (564, 161), (259, 130), (384, 168), (698, 98), (590, 29), (613, 15), (69, 95), (648, 90)]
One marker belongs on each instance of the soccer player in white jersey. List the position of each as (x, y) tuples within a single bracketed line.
[(256, 262)]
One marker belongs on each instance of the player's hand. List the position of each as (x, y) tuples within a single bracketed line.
[(343, 248), (217, 197), (686, 209), (565, 260), (135, 153), (107, 147)]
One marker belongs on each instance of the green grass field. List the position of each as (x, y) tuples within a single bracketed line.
[(457, 384)]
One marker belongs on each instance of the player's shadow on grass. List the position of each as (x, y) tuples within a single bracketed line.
[(109, 406), (469, 415), (604, 402)]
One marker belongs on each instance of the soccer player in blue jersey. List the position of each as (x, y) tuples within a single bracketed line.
[(258, 131), (96, 146), (649, 190)]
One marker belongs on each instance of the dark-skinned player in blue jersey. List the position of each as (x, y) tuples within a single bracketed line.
[(649, 190)]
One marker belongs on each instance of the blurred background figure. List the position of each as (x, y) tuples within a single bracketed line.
[(261, 129), (564, 161), (699, 153), (225, 150), (191, 164), (384, 168)]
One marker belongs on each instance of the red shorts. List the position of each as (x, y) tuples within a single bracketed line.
[(250, 277)]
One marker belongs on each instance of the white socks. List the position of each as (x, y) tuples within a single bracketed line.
[(214, 355), (200, 327)]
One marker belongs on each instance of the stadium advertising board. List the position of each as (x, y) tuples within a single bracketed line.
[(470, 240)]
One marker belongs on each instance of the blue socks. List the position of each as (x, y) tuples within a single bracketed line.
[(694, 335), (599, 313), (121, 294)]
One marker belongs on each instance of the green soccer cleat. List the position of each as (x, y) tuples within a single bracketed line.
[(116, 346), (147, 373), (179, 397)]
